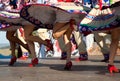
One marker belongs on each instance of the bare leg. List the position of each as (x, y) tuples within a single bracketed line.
[(114, 45), (12, 38), (59, 29), (113, 50), (65, 30), (10, 35), (28, 29), (30, 39)]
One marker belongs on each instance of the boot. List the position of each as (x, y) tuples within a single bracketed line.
[(82, 57), (106, 58)]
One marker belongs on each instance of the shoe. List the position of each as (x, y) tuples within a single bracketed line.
[(68, 66), (83, 57), (49, 45), (19, 52), (63, 56), (23, 58), (12, 61), (106, 58), (113, 69), (33, 62)]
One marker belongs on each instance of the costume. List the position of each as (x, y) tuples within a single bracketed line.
[(42, 16), (100, 19), (48, 15), (11, 23)]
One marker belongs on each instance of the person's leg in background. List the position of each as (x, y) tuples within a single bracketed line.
[(63, 48), (44, 35), (100, 39), (89, 40), (83, 55), (21, 50)]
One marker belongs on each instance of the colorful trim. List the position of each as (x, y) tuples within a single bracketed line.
[(98, 18), (87, 29), (5, 25), (9, 15)]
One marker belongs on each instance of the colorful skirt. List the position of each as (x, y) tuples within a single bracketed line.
[(44, 16), (99, 20), (40, 15), (72, 7), (9, 21)]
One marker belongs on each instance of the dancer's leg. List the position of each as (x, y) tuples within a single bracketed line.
[(10, 35), (114, 45), (30, 39), (13, 38), (59, 29), (65, 30), (113, 50)]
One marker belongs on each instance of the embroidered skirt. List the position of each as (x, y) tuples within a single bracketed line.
[(99, 20)]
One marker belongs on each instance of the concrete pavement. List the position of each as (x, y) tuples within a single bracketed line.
[(51, 69)]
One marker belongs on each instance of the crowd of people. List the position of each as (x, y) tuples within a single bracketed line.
[(63, 30)]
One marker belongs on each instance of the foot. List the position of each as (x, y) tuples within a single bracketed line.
[(113, 69), (12, 61), (33, 62), (68, 66), (105, 60), (63, 56), (23, 58), (82, 57)]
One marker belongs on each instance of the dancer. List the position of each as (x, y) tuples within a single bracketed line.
[(14, 40), (63, 25), (11, 22), (103, 20)]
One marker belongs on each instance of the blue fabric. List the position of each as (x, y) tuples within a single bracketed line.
[(13, 1), (86, 1), (4, 57)]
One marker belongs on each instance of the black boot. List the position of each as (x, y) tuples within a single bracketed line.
[(63, 56), (82, 57), (106, 58), (19, 52)]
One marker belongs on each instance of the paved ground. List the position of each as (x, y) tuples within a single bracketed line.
[(51, 69)]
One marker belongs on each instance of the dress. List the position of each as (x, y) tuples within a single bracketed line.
[(40, 15), (100, 20), (44, 16), (9, 21)]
